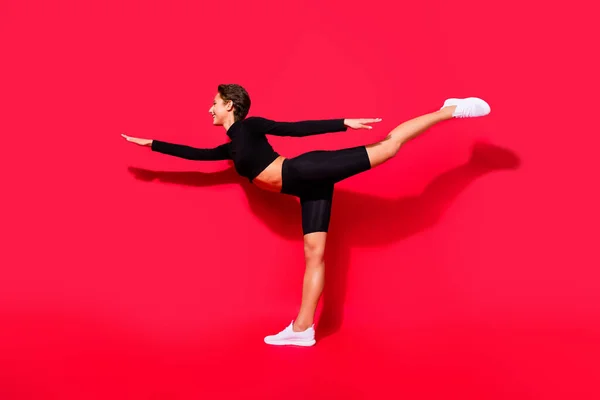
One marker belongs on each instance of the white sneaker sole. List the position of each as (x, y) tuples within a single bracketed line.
[(291, 342)]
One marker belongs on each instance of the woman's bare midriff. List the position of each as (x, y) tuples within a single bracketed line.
[(270, 178)]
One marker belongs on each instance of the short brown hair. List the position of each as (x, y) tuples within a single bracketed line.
[(240, 98)]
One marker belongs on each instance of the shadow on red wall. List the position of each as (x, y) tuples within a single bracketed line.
[(387, 220)]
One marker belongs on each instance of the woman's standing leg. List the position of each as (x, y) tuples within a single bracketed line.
[(316, 201), (301, 331), (314, 279)]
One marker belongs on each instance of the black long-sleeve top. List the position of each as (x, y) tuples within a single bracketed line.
[(249, 148)]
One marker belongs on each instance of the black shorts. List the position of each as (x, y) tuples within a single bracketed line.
[(311, 177)]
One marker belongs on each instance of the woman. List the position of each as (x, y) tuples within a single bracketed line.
[(310, 176)]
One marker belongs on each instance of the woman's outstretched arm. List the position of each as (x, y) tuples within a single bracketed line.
[(306, 127), (182, 151)]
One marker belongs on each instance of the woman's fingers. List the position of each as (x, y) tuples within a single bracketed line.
[(364, 121), (369, 120), (139, 141)]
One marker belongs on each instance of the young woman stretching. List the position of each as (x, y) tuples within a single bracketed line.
[(310, 176)]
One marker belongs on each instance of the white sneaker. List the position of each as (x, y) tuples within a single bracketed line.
[(289, 337), (468, 108)]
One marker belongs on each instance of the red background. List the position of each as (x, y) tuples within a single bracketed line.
[(130, 274)]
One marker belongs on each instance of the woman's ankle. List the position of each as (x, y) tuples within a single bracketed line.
[(301, 325), (447, 112)]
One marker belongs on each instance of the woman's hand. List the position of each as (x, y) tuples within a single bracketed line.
[(361, 123), (140, 141)]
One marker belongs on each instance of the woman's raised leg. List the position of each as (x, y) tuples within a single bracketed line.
[(382, 151), (331, 166)]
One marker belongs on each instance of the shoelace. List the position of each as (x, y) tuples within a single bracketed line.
[(464, 109)]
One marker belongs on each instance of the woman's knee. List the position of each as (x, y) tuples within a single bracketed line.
[(314, 247), (393, 146), (382, 151)]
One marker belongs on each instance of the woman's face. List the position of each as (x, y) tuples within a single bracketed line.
[(220, 110)]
